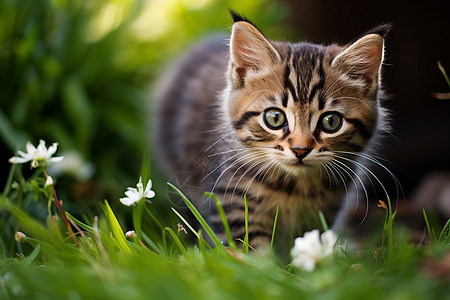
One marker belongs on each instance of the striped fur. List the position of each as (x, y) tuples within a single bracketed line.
[(213, 137)]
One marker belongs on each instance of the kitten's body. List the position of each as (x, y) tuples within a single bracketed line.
[(215, 129)]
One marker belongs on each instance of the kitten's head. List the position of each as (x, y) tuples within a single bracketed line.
[(302, 105)]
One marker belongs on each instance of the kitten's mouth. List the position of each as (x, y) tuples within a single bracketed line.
[(300, 164)]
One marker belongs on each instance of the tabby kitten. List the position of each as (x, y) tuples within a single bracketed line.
[(279, 123)]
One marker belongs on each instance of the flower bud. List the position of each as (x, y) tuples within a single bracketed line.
[(131, 234), (20, 237)]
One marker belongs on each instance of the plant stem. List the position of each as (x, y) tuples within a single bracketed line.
[(443, 72), (58, 204)]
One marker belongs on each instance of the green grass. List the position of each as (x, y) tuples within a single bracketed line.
[(68, 78), (160, 264)]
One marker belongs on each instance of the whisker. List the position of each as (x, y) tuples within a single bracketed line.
[(339, 78), (224, 162), (375, 160), (350, 98), (218, 140), (363, 167), (355, 175), (344, 86), (252, 156), (237, 161), (270, 163), (261, 91), (243, 175), (340, 175), (326, 92), (239, 149)]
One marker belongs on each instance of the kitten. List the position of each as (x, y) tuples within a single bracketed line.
[(277, 122)]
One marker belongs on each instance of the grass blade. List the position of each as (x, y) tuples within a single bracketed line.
[(427, 224), (200, 219), (443, 72), (154, 247), (177, 241), (116, 230), (444, 230), (273, 231), (138, 211), (30, 225), (390, 233), (185, 222), (245, 243), (323, 221), (190, 227), (153, 217), (81, 224), (9, 180), (224, 221), (30, 259)]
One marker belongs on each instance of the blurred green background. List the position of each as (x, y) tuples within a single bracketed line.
[(82, 73)]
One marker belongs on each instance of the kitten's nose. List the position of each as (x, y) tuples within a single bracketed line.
[(300, 153)]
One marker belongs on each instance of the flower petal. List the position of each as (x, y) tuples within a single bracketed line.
[(49, 181), (55, 159), (30, 148), (127, 201), (140, 187), (52, 149), (132, 193), (149, 194), (25, 155), (41, 149), (329, 239), (18, 160)]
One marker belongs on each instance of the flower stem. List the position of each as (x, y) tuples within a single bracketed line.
[(58, 204)]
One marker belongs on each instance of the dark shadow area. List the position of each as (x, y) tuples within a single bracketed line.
[(418, 151)]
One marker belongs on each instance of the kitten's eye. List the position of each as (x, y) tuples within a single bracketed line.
[(274, 118), (330, 122)]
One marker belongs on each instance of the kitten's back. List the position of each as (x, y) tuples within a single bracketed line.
[(188, 99)]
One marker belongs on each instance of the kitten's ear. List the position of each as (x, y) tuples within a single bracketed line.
[(250, 50), (363, 58)]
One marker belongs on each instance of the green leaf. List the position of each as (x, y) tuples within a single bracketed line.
[(116, 230), (7, 188), (200, 219), (444, 230), (444, 73), (177, 241), (323, 221), (30, 224), (81, 224), (138, 211), (273, 230), (224, 220), (245, 244), (427, 223), (30, 259), (189, 226)]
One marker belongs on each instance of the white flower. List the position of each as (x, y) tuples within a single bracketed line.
[(20, 236), (311, 249), (38, 156), (49, 180), (131, 234), (134, 195)]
